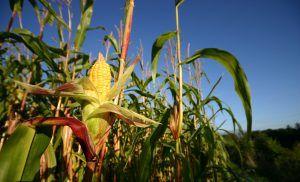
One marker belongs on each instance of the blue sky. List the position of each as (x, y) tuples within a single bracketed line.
[(263, 34)]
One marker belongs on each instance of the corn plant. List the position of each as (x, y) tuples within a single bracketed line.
[(62, 120)]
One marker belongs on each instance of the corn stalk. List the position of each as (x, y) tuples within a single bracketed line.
[(180, 101), (125, 40)]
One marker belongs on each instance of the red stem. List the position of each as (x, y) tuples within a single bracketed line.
[(127, 30), (11, 20)]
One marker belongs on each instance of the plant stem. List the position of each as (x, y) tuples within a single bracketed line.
[(180, 109), (180, 118), (125, 43), (127, 29), (10, 23), (126, 39), (11, 20)]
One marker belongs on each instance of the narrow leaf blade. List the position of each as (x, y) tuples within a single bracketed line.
[(113, 42), (148, 148), (128, 116), (234, 68), (53, 13), (34, 89), (118, 86), (84, 24), (156, 49)]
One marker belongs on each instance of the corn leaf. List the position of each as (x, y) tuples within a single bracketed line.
[(144, 93), (126, 115), (20, 155), (79, 129), (214, 99), (86, 16), (234, 68), (148, 148), (95, 28), (41, 141), (33, 44), (156, 49), (234, 120), (34, 89), (16, 5), (149, 80), (214, 87), (113, 42), (36, 9), (51, 162), (49, 19), (118, 86), (77, 86), (187, 170), (86, 84), (137, 81), (70, 87), (178, 2), (54, 14)]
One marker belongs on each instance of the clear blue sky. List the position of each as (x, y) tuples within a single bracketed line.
[(263, 34)]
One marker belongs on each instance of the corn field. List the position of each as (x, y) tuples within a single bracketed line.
[(66, 115)]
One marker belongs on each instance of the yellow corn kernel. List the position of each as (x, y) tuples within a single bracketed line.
[(100, 76)]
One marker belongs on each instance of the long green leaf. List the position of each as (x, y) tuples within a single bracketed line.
[(146, 159), (234, 120), (16, 5), (34, 89), (118, 86), (187, 171), (214, 87), (128, 116), (86, 16), (51, 162), (33, 44), (79, 129), (113, 42), (144, 93), (20, 155), (39, 145), (234, 68), (54, 14), (156, 49), (96, 28), (149, 80)]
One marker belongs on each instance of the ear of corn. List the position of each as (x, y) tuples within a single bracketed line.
[(100, 77)]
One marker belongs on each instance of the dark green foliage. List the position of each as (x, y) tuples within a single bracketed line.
[(266, 158), (288, 137), (146, 158), (275, 162)]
